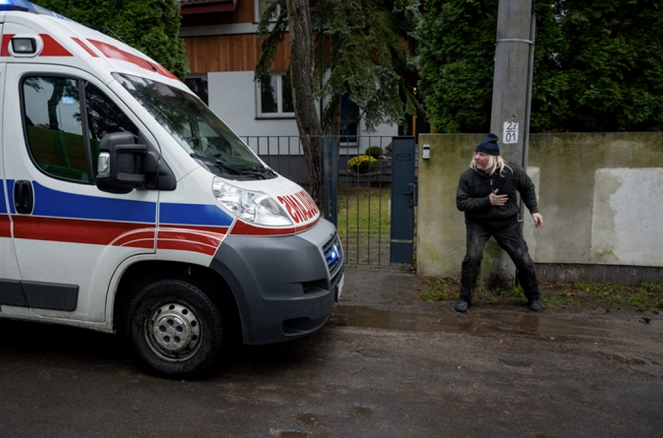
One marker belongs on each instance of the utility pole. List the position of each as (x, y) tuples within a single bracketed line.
[(512, 84)]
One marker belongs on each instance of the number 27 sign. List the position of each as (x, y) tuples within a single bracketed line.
[(510, 132)]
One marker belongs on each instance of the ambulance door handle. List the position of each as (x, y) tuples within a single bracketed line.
[(23, 197)]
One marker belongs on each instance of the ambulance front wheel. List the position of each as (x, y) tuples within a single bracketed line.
[(177, 329)]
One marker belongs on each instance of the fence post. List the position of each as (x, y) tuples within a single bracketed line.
[(333, 155), (330, 179), (403, 193), (325, 177)]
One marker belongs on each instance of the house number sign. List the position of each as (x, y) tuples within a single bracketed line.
[(510, 132)]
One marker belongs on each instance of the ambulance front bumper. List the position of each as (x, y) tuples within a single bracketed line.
[(285, 286)]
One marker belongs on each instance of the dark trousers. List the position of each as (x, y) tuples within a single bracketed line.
[(510, 239)]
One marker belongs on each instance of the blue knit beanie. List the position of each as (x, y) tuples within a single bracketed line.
[(489, 145)]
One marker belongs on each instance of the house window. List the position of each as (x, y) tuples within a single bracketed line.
[(276, 101), (349, 118), (260, 6), (198, 84)]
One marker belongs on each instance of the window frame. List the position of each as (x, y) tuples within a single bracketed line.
[(349, 121), (204, 78), (86, 134), (256, 11), (279, 114)]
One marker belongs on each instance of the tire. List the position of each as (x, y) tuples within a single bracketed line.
[(177, 329)]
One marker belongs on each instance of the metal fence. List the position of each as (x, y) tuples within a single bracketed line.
[(358, 203)]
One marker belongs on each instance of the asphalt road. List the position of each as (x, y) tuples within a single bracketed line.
[(371, 372)]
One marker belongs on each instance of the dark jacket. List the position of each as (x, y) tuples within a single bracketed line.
[(475, 186)]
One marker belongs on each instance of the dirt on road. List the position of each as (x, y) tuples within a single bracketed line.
[(387, 365)]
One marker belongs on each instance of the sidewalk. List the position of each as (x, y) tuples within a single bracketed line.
[(380, 287), (388, 297), (396, 288)]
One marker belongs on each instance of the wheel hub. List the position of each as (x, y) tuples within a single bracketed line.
[(174, 330)]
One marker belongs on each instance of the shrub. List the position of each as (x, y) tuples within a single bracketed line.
[(361, 163), (374, 151)]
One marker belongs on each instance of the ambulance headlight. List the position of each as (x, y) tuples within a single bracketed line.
[(253, 207)]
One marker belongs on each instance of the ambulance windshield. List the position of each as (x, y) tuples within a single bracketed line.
[(197, 129)]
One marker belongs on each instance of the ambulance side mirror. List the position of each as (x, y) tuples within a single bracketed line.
[(125, 164)]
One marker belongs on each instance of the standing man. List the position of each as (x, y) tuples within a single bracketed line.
[(487, 195)]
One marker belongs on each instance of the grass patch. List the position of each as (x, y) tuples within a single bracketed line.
[(439, 289), (364, 223), (647, 297), (363, 211)]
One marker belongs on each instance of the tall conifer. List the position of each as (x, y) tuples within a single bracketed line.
[(151, 26), (364, 49), (598, 65)]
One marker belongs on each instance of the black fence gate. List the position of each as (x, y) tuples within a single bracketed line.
[(371, 201), (403, 199)]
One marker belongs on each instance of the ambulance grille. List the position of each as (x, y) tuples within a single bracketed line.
[(333, 255)]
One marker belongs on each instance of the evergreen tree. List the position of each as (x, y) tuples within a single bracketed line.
[(457, 63), (360, 48), (363, 48), (598, 65), (151, 26), (614, 62)]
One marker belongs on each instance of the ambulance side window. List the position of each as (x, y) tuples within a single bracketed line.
[(63, 132), (104, 117), (54, 131)]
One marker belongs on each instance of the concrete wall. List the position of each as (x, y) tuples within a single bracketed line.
[(600, 194)]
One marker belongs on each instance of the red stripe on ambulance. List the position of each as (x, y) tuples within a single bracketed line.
[(300, 206), (204, 240), (76, 230), (51, 47), (245, 229), (189, 240), (4, 51), (85, 46), (142, 238), (5, 226), (113, 52)]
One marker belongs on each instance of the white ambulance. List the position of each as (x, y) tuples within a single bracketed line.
[(127, 206)]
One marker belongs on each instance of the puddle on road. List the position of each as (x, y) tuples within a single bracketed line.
[(358, 316), (288, 434)]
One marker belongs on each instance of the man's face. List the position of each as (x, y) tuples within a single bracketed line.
[(481, 160)]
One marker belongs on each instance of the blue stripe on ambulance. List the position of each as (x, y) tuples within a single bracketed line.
[(55, 203)]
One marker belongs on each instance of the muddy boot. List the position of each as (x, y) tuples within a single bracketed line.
[(536, 305), (461, 305)]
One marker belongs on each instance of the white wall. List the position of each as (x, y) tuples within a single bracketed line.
[(232, 96), (626, 216)]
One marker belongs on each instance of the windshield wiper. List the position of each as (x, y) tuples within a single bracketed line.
[(221, 164), (261, 172)]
